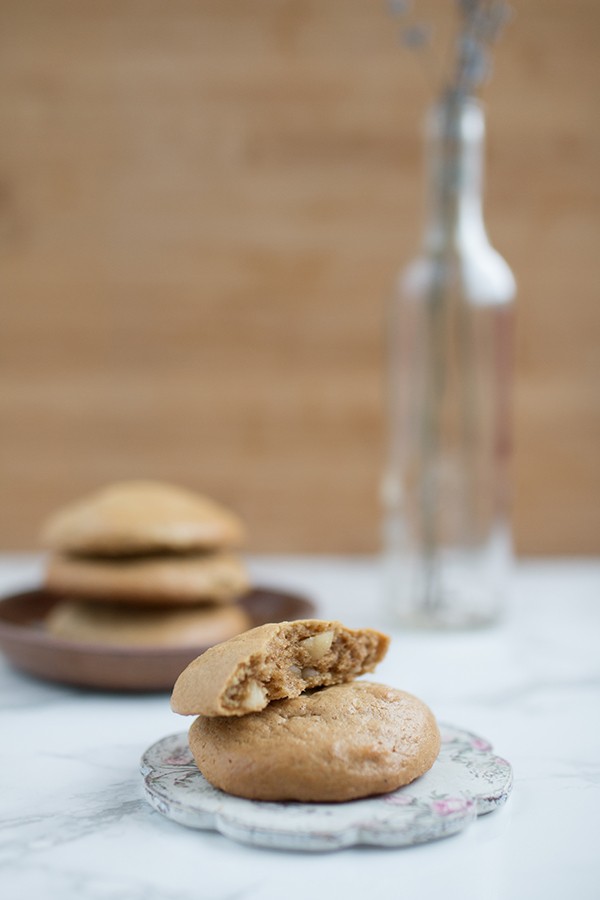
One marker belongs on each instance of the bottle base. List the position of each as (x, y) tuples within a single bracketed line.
[(420, 620)]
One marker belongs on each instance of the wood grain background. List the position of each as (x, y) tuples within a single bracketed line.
[(202, 207)]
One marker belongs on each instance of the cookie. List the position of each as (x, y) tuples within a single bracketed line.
[(211, 577), (338, 743), (121, 626), (134, 517), (273, 661)]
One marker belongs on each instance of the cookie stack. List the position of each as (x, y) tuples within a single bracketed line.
[(143, 563), (280, 716)]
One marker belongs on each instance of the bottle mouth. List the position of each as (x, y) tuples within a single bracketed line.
[(462, 120)]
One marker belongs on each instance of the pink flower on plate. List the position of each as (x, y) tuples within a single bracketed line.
[(451, 805), (178, 759), (480, 744), (398, 799)]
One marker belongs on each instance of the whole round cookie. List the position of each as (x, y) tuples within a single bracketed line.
[(339, 743), (163, 580), (121, 626), (142, 517)]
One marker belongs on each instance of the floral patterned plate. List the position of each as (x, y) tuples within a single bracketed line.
[(466, 781)]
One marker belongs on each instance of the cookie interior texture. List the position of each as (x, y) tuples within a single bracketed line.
[(122, 626), (193, 578), (134, 517), (274, 661), (334, 744)]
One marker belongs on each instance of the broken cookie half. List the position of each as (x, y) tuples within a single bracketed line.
[(283, 659)]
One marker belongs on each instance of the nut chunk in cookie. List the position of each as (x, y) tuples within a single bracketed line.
[(283, 659)]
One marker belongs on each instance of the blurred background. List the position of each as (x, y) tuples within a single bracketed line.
[(203, 206)]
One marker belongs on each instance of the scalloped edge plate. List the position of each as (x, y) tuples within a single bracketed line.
[(467, 780)]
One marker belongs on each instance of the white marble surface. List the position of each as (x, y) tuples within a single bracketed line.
[(74, 824)]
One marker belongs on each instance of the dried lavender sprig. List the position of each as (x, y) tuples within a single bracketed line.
[(399, 7), (481, 23), (416, 36)]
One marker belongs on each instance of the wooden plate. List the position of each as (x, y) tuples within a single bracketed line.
[(29, 647)]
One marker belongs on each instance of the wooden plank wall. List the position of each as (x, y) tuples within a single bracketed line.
[(202, 206)]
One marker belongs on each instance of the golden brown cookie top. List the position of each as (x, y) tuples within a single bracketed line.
[(133, 517), (273, 661), (335, 744)]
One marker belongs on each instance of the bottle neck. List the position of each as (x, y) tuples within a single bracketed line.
[(455, 135)]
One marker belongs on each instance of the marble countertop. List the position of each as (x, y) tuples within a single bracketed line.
[(74, 823)]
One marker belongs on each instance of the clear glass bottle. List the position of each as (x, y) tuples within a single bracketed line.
[(450, 327)]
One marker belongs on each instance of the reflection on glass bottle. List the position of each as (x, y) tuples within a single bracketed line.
[(450, 327)]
